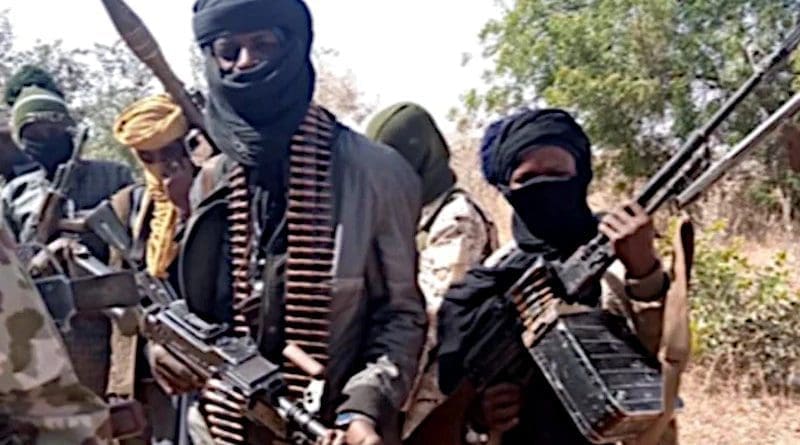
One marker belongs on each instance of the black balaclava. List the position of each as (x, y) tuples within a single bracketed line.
[(547, 209), (252, 115), (50, 153)]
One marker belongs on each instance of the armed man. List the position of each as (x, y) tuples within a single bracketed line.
[(453, 235), (41, 400), (317, 247), (155, 211), (541, 161), (43, 129)]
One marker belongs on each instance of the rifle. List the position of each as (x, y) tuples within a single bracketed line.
[(208, 349), (52, 210)]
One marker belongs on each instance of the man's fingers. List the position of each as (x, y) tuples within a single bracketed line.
[(164, 384), (501, 388), (615, 221), (503, 399), (372, 440), (610, 232), (502, 415), (337, 437), (506, 426), (179, 370), (224, 389)]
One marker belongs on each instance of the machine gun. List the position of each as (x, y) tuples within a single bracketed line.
[(207, 348), (610, 386), (52, 210)]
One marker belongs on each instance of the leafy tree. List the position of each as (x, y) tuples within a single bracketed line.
[(640, 74), (98, 83)]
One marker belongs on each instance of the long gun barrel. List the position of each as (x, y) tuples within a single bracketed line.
[(739, 152), (589, 262), (50, 213)]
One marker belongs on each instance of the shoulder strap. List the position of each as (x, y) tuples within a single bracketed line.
[(209, 175), (491, 228), (428, 223), (122, 203)]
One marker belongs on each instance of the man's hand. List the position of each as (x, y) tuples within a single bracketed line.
[(499, 407), (173, 376), (630, 230), (359, 432)]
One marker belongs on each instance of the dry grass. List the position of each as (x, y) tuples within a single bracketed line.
[(728, 417)]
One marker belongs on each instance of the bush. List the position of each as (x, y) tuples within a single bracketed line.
[(744, 316)]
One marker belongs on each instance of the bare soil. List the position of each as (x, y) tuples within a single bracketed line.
[(728, 417)]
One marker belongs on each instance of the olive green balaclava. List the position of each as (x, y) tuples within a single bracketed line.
[(410, 130)]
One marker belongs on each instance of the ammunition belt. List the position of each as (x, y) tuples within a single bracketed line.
[(309, 264)]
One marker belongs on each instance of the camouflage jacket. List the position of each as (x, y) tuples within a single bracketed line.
[(41, 401), (454, 235)]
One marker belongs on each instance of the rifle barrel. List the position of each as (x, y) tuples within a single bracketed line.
[(739, 152), (701, 136)]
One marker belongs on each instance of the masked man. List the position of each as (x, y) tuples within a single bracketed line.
[(318, 249), (156, 131), (43, 128), (541, 161), (454, 233), (41, 401)]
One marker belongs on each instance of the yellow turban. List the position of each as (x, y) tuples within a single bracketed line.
[(151, 123), (146, 125)]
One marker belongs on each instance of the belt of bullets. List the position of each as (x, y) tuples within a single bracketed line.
[(309, 264)]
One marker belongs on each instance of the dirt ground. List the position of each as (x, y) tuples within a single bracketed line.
[(728, 418)]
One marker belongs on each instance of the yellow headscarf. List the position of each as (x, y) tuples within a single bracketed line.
[(149, 125)]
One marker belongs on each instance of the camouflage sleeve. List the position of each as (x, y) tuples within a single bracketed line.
[(40, 396), (456, 242)]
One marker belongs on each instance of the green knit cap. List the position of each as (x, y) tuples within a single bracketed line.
[(35, 104)]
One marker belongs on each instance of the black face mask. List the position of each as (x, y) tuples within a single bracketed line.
[(554, 210), (252, 115), (50, 153)]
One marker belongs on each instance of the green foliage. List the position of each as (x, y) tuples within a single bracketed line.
[(97, 82), (747, 315), (640, 74), (28, 75)]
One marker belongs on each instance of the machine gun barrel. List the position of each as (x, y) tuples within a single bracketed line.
[(591, 260), (701, 136), (739, 152)]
